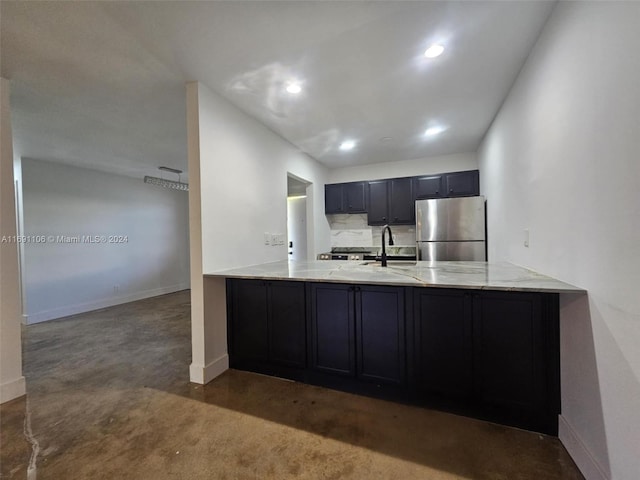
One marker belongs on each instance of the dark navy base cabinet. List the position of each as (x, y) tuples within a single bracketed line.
[(487, 354), (491, 355), (267, 327), (358, 331)]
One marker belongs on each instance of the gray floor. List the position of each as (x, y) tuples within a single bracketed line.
[(109, 397)]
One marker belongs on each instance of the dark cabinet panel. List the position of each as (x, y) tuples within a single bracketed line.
[(402, 209), (267, 324), (510, 361), (378, 212), (488, 354), (333, 198), (345, 198), (429, 186), (443, 342), (492, 353), (380, 320), (332, 329), (368, 320), (392, 200), (249, 340), (355, 195), (287, 325), (462, 184)]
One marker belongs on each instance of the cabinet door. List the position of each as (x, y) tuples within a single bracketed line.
[(248, 335), (428, 187), (332, 329), (355, 195), (287, 324), (378, 203), (463, 184), (333, 198), (443, 342), (402, 209), (380, 335), (510, 361)]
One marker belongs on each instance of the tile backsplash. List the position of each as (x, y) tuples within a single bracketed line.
[(351, 230)]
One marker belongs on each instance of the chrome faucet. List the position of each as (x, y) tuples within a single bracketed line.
[(383, 257)]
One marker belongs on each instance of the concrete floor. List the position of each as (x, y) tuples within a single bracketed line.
[(109, 397)]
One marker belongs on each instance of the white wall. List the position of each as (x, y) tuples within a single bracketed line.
[(12, 382), (243, 168), (241, 195), (405, 168), (562, 159), (67, 278)]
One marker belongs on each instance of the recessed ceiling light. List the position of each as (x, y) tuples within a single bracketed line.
[(434, 51), (433, 131), (294, 87), (347, 145)]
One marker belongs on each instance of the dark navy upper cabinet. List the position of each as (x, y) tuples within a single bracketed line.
[(355, 195), (391, 202), (333, 202), (345, 198), (462, 184), (402, 209), (378, 212), (428, 186)]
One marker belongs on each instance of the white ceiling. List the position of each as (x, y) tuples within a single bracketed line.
[(101, 84)]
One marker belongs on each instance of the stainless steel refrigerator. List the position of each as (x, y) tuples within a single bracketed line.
[(451, 229)]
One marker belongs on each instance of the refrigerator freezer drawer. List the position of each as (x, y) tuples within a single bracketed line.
[(458, 251)]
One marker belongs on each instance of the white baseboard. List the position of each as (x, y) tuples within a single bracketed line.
[(578, 451), (98, 304), (13, 389), (204, 374)]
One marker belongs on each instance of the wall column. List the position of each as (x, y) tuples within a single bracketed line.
[(209, 356), (12, 383)]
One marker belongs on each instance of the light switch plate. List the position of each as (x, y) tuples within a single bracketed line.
[(267, 238)]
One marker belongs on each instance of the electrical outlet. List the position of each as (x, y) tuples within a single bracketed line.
[(526, 237), (116, 288)]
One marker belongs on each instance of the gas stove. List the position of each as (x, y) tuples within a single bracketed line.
[(348, 253), (368, 253)]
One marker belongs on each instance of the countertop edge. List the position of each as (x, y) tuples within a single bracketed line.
[(233, 273)]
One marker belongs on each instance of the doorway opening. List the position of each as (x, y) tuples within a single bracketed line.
[(297, 217)]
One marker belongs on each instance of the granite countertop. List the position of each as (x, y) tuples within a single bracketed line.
[(467, 275)]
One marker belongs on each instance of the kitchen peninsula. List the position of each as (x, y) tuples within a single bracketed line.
[(475, 338)]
